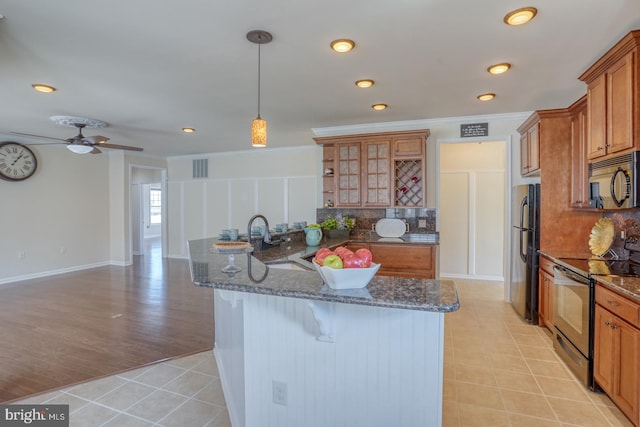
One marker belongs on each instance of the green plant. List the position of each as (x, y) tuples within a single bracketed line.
[(338, 223)]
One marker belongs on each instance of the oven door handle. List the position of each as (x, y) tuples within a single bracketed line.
[(571, 275)]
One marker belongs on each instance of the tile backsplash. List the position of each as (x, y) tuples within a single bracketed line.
[(419, 220), (629, 223)]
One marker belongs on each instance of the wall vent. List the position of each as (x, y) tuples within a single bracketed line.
[(201, 168)]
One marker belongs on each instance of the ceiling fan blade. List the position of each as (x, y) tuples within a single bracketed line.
[(97, 139), (38, 136), (121, 147)]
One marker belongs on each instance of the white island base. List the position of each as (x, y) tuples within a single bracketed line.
[(359, 365)]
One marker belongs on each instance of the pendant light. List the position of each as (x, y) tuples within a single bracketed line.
[(259, 125)]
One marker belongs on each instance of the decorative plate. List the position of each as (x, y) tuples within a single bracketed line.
[(231, 248), (601, 237), (390, 227), (597, 266)]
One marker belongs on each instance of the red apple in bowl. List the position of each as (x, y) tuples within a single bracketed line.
[(366, 256), (353, 261)]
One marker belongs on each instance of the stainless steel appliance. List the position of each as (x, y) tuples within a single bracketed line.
[(524, 257), (615, 183), (573, 305)]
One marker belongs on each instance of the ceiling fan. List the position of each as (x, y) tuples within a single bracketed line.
[(81, 144)]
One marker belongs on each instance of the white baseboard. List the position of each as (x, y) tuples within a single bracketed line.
[(53, 272), (471, 276)]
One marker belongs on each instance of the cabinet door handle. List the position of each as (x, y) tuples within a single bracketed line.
[(610, 324), (612, 303)]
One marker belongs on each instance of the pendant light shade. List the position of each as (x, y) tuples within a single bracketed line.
[(259, 125), (258, 132)]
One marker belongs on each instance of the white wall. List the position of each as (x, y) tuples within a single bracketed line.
[(58, 218), (472, 209), (282, 184)]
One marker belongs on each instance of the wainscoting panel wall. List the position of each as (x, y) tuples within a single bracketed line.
[(202, 208)]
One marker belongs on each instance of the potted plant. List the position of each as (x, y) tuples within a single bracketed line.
[(338, 226)]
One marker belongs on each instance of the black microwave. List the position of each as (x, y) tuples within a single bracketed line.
[(614, 183)]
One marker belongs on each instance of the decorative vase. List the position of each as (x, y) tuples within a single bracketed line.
[(337, 234), (314, 235)]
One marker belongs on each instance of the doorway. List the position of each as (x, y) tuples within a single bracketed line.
[(148, 212), (472, 200)]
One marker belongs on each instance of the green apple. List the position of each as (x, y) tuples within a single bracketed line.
[(333, 261)]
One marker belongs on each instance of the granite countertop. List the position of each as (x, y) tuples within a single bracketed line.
[(257, 277), (627, 286)]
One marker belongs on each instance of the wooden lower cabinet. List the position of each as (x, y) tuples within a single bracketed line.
[(545, 293), (617, 351), (402, 260)]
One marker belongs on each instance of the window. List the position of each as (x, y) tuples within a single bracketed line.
[(155, 206)]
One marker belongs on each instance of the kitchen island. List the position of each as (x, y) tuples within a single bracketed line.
[(293, 352)]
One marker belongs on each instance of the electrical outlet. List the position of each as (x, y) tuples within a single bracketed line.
[(22, 254), (422, 223), (279, 393)]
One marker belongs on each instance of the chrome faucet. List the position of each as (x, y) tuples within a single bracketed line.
[(267, 237)]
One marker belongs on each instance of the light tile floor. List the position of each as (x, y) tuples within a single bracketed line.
[(499, 371)]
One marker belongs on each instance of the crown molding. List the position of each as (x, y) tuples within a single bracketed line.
[(414, 124)]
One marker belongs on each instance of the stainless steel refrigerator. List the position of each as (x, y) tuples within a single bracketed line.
[(524, 255)]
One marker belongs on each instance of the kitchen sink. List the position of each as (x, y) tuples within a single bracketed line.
[(289, 265)]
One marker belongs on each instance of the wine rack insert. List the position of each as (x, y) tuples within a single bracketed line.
[(409, 182)]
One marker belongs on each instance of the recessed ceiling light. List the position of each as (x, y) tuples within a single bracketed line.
[(379, 107), (342, 45), (188, 130), (364, 83), (43, 88), (520, 16), (499, 68), (486, 96)]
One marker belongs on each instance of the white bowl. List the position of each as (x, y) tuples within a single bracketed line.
[(347, 278)]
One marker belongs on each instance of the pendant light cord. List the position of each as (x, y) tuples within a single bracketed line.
[(259, 43)]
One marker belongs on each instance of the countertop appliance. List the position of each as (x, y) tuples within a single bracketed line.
[(615, 183), (524, 255)]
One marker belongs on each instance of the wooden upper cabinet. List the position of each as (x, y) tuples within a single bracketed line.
[(530, 146), (579, 162), (377, 173), (613, 92), (376, 170), (409, 146), (347, 174)]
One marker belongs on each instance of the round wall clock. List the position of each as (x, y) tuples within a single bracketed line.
[(17, 162)]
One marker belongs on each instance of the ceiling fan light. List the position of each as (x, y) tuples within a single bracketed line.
[(342, 45), (80, 149), (520, 16), (258, 132), (43, 88)]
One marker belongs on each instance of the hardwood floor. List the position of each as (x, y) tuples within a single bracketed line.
[(66, 329)]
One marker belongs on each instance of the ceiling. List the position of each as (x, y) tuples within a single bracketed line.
[(150, 68)]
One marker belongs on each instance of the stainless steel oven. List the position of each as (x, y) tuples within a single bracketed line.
[(573, 299)]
